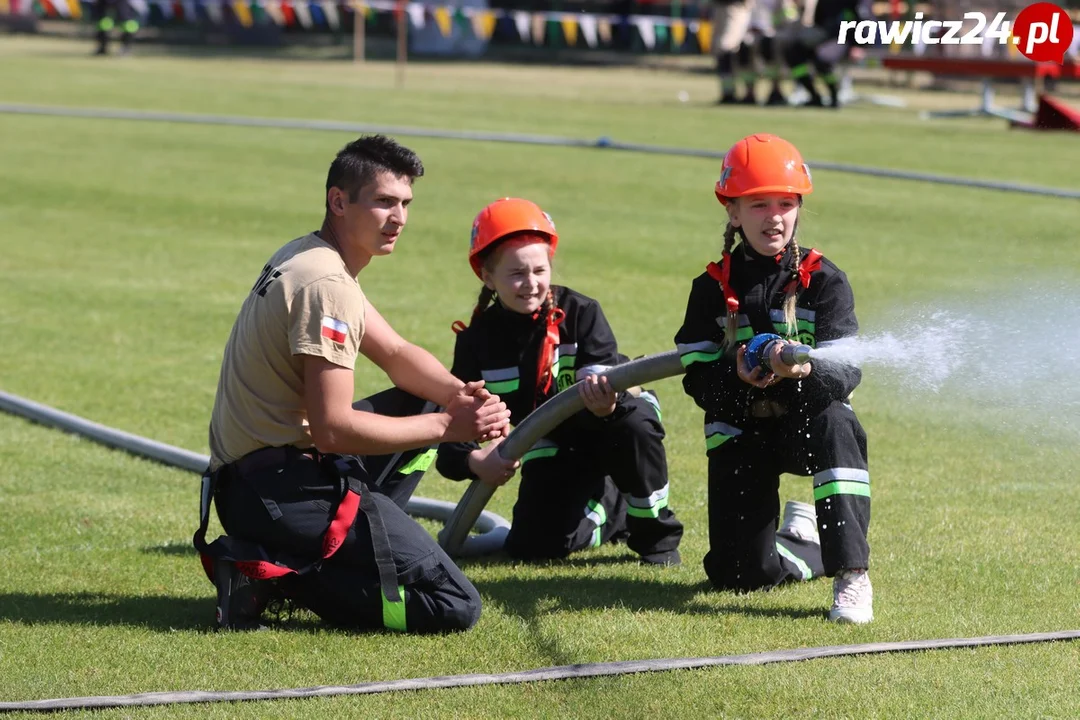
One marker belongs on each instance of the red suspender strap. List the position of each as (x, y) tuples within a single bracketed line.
[(722, 274), (249, 558), (810, 263)]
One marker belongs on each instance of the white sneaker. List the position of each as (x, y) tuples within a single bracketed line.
[(800, 521), (853, 598)]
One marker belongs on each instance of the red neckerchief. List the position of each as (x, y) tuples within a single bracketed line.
[(546, 359), (722, 274), (810, 262)]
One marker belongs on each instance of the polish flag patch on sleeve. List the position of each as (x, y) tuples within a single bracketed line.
[(334, 329)]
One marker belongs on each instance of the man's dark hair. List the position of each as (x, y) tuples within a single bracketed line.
[(360, 161)]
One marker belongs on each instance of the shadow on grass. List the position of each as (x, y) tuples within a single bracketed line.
[(157, 612), (531, 597), (161, 613)]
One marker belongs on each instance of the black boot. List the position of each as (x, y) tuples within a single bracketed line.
[(240, 599), (103, 43), (776, 98), (815, 97)]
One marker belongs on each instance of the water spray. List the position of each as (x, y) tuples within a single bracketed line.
[(759, 350)]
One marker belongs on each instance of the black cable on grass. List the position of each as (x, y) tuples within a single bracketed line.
[(601, 143)]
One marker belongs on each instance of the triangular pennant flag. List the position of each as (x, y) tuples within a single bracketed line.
[(661, 33), (164, 7), (538, 23), (62, 8), (189, 10), (647, 31), (443, 20), (303, 14), (588, 28), (704, 36), (569, 28), (140, 7), (213, 11), (603, 27), (678, 33), (242, 12), (483, 23), (416, 15), (287, 11), (317, 15), (258, 13), (273, 10), (329, 8), (521, 22)]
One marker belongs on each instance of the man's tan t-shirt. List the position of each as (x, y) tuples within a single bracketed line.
[(305, 302)]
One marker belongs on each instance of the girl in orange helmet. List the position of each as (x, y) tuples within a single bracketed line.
[(601, 475), (792, 419)]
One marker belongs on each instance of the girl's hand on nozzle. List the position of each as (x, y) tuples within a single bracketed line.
[(759, 377), (488, 465), (796, 372), (598, 395)]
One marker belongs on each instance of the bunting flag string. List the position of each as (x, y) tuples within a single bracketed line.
[(595, 30)]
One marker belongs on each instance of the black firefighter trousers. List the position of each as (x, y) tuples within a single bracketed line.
[(745, 551), (285, 506), (594, 481)]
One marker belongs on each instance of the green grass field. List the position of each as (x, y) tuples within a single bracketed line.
[(127, 247)]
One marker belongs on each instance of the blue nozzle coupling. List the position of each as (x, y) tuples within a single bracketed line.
[(760, 346)]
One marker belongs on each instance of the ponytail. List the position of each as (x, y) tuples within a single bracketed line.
[(792, 289), (731, 325), (482, 302)]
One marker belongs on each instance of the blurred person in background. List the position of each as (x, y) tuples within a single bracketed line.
[(814, 51), (760, 51), (109, 14), (731, 26)]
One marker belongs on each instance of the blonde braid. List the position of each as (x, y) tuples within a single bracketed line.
[(731, 328), (549, 304), (789, 301)]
